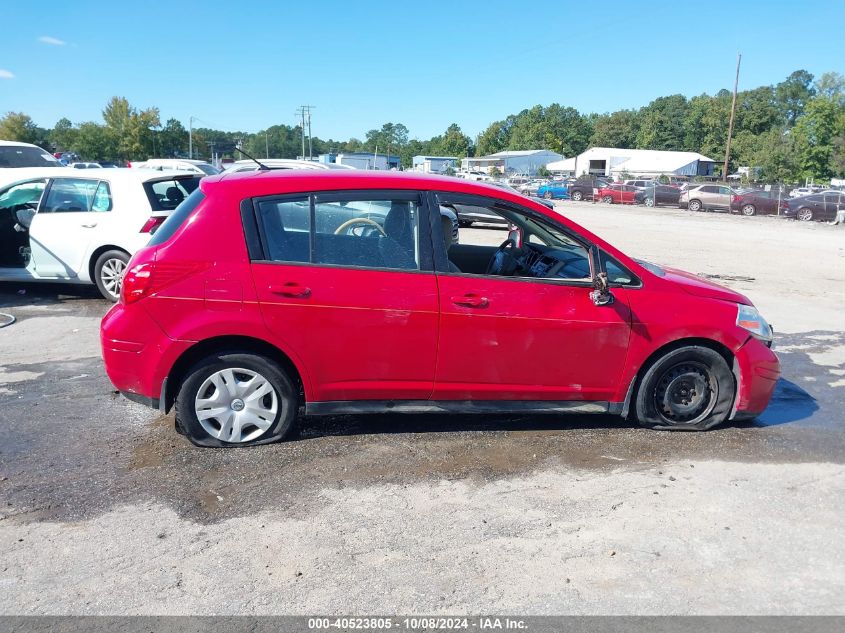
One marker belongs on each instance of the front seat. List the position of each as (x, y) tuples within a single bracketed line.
[(448, 240), (397, 247)]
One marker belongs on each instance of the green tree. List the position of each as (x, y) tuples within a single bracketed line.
[(453, 143), (793, 94), (17, 126), (93, 142), (63, 135), (662, 123), (618, 129), (822, 123)]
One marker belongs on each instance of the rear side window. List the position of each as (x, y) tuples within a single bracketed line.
[(177, 218), (338, 231), (166, 195)]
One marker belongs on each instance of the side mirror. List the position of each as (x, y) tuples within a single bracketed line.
[(601, 294)]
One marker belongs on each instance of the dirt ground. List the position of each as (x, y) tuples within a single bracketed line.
[(104, 509)]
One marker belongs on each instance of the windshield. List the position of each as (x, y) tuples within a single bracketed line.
[(23, 156)]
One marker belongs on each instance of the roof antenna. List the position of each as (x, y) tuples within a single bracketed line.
[(261, 166)]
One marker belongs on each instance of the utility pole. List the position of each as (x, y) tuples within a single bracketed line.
[(304, 114), (731, 124), (211, 149), (310, 156), (190, 137), (266, 146)]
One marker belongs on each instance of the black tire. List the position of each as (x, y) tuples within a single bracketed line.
[(690, 388), (607, 199), (694, 205), (577, 196), (464, 224), (286, 394), (103, 277), (749, 209), (548, 195), (649, 202)]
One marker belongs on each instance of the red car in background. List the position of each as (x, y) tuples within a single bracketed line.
[(616, 194), (269, 294)]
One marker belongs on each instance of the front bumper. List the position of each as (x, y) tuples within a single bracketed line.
[(757, 370)]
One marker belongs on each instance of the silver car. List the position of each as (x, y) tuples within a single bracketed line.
[(706, 197)]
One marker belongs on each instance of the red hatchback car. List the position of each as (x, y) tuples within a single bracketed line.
[(616, 194), (269, 294)]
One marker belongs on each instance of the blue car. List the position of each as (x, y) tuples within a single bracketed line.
[(554, 190)]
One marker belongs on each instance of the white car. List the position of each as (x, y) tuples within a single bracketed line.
[(19, 155), (281, 163), (82, 226), (178, 164)]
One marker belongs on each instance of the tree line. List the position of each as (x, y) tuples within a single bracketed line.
[(789, 131)]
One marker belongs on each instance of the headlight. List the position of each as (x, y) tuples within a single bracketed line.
[(749, 319)]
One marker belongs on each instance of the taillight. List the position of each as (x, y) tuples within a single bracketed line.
[(143, 280), (151, 225), (137, 282)]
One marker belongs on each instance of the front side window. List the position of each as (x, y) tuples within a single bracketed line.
[(22, 195), (336, 230), (505, 242), (74, 195)]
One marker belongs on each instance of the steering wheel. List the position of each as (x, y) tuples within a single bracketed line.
[(505, 252), (343, 228)]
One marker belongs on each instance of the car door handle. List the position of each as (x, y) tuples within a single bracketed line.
[(88, 226), (471, 301), (291, 289)]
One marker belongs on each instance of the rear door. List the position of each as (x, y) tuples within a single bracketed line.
[(832, 203), (72, 213), (345, 284)]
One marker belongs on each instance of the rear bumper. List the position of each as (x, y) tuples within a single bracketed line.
[(137, 354), (757, 369)]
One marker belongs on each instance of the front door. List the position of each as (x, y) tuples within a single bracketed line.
[(345, 286), (67, 221), (526, 332)]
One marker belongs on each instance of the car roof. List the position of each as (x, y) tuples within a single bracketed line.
[(18, 144), (8, 176), (258, 183)]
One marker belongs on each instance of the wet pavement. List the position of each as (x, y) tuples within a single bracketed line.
[(73, 449)]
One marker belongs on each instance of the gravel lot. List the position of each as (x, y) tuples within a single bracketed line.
[(104, 509)]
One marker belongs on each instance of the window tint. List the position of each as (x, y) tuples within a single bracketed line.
[(71, 195), (166, 195), (814, 198), (22, 156), (709, 189), (366, 233), (286, 227), (177, 218)]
